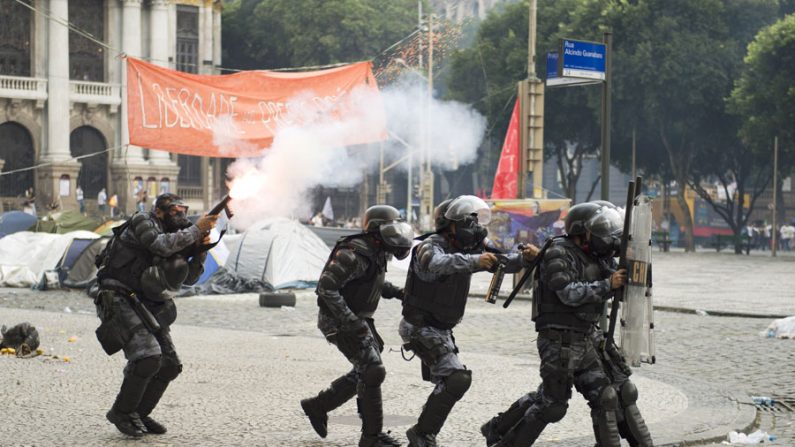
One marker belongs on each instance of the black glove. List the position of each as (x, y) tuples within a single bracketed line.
[(391, 291), (355, 327)]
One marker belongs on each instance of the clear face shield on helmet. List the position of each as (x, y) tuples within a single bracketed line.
[(470, 214), (606, 226), (398, 237)]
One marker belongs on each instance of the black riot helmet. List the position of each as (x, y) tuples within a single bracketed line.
[(470, 214), (174, 211), (606, 227), (577, 216), (602, 220), (384, 222), (440, 222), (377, 215)]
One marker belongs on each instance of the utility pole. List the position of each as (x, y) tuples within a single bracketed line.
[(606, 118), (531, 101), (775, 190), (426, 173), (633, 153)]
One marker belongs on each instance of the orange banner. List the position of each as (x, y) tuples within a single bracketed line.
[(238, 115)]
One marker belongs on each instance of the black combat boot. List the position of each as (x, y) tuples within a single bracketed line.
[(154, 391), (419, 439), (380, 440), (128, 423), (317, 408), (124, 414), (499, 425)]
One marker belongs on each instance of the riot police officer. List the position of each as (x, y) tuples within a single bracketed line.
[(147, 257), (437, 287), (349, 289), (576, 276)]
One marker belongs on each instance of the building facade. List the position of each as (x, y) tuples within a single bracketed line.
[(62, 93)]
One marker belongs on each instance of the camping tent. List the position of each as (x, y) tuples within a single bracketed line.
[(26, 256), (280, 251), (65, 222), (14, 221), (77, 267)]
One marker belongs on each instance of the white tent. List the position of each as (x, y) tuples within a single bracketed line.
[(280, 251), (25, 256)]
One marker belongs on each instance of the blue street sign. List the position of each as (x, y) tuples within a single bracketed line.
[(581, 59), (553, 77)]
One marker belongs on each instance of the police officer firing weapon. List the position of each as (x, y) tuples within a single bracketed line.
[(436, 293), (348, 292), (577, 275), (147, 257)]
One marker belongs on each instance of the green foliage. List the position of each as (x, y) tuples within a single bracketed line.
[(486, 75), (765, 94), (261, 34)]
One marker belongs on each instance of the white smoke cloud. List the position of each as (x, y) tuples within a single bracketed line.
[(314, 153)]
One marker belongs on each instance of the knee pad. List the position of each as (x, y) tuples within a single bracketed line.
[(170, 368), (373, 375), (458, 383), (608, 399), (629, 394), (145, 368), (554, 412)]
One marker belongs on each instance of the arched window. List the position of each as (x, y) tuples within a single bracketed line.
[(93, 174), (18, 152)]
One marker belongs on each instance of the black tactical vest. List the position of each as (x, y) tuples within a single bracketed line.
[(440, 303), (124, 261), (553, 313), (363, 294)]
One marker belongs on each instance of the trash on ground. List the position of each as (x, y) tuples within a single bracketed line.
[(781, 328), (763, 400), (72, 339), (756, 437), (23, 339), (701, 312)]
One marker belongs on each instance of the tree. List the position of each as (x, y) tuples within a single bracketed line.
[(764, 96), (260, 34), (675, 63), (486, 74)]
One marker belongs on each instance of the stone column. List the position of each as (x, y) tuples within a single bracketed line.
[(56, 150), (131, 45), (130, 163), (216, 38), (159, 30)]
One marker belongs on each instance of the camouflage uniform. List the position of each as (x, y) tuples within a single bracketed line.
[(152, 361), (349, 289), (437, 288)]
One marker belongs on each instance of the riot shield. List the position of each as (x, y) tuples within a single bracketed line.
[(637, 312)]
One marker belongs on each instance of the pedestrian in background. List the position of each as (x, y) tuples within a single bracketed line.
[(102, 201), (787, 235), (80, 199), (113, 202)]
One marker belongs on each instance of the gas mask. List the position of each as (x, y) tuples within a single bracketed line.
[(469, 233), (469, 213), (177, 221), (606, 246)]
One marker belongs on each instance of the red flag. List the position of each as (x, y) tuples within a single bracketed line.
[(506, 180)]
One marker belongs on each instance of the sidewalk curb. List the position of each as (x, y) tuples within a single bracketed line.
[(673, 309)]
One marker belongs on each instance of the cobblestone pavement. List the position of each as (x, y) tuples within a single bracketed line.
[(240, 387)]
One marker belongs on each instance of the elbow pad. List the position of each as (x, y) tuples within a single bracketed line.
[(337, 272), (558, 271)]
